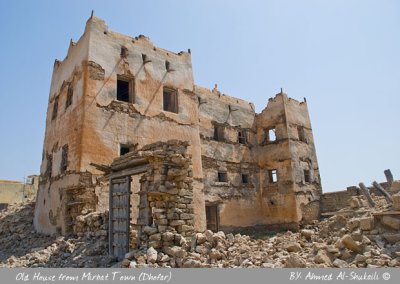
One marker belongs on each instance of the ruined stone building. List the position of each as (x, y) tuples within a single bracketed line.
[(16, 191), (114, 95)]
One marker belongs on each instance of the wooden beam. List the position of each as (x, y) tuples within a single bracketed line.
[(365, 191), (129, 172), (387, 196), (128, 164)]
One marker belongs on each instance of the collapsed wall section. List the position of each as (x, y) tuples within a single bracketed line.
[(166, 195)]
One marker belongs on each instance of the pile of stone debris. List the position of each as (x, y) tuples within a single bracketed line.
[(362, 238), (336, 242), (21, 246)]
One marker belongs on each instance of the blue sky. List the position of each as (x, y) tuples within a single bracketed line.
[(342, 55)]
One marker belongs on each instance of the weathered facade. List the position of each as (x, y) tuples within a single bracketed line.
[(115, 94)]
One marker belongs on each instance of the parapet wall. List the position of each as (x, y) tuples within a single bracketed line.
[(334, 201)]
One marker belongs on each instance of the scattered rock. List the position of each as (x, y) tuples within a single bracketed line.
[(307, 234), (367, 224), (391, 222), (340, 263), (292, 247), (323, 257), (350, 243), (340, 241), (295, 261), (151, 255)]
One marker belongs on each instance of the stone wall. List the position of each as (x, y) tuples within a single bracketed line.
[(166, 195), (334, 201)]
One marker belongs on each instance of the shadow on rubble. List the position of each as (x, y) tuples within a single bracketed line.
[(21, 246), (17, 235)]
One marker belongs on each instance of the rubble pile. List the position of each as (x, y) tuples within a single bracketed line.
[(21, 246), (363, 238), (336, 242), (357, 236), (93, 224)]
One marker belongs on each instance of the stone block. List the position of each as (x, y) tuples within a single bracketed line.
[(350, 244), (323, 257), (150, 230), (307, 234), (185, 216), (155, 237), (391, 222), (294, 261), (292, 247), (168, 236), (186, 228), (391, 238), (367, 224), (161, 222), (177, 223), (175, 251)]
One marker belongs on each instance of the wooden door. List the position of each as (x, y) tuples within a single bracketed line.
[(119, 216)]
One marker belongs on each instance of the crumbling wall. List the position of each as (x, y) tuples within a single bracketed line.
[(334, 201), (275, 154), (61, 200), (236, 200), (16, 191), (260, 201), (166, 195)]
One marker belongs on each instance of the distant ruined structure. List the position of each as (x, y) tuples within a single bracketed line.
[(126, 116), (17, 192)]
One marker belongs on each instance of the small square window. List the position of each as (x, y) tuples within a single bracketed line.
[(242, 136), (123, 149), (307, 176), (269, 135), (218, 133), (125, 89), (170, 100), (222, 177), (245, 178), (273, 176)]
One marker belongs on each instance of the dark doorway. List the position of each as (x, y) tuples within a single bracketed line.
[(212, 217)]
